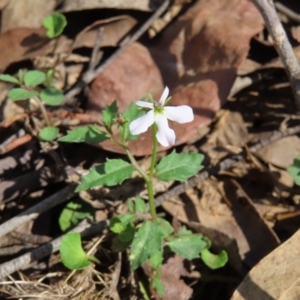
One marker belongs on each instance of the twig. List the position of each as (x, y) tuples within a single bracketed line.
[(14, 143), (34, 211), (24, 260), (288, 12), (89, 76), (96, 55), (281, 44)]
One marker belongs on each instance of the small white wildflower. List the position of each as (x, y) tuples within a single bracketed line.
[(160, 114)]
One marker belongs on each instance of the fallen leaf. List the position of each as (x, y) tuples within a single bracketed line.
[(113, 30), (277, 276), (193, 57), (74, 5), (16, 13), (295, 31)]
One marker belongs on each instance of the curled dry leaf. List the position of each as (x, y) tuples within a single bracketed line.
[(16, 13), (277, 276), (114, 29), (75, 5), (197, 57)]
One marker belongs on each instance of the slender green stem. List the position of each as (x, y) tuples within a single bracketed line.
[(43, 111), (151, 198), (154, 151)]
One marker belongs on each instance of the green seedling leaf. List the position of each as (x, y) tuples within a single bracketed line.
[(73, 213), (130, 205), (158, 286), (49, 81), (52, 96), (109, 114), (85, 134), (188, 246), (17, 94), (214, 261), (132, 113), (34, 78), (165, 227), (55, 25), (179, 166), (294, 170), (49, 133), (156, 259), (146, 243), (140, 205), (9, 78), (71, 252), (127, 235), (119, 223), (113, 172)]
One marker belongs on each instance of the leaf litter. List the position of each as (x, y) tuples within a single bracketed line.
[(249, 210)]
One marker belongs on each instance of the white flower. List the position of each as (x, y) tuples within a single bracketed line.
[(160, 114)]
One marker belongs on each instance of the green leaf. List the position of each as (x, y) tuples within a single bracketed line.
[(165, 227), (188, 246), (49, 133), (9, 78), (132, 113), (73, 213), (294, 170), (113, 172), (140, 205), (214, 261), (119, 223), (128, 234), (49, 81), (17, 94), (52, 96), (130, 205), (159, 287), (179, 166), (34, 78), (21, 75), (147, 241), (55, 25), (71, 252), (109, 114), (85, 134), (156, 259)]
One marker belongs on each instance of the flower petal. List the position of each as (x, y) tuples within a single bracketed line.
[(180, 114), (164, 96), (141, 124), (165, 135), (145, 104)]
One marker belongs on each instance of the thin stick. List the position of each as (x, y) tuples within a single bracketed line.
[(281, 44), (24, 260), (288, 12), (34, 211), (96, 56), (89, 76)]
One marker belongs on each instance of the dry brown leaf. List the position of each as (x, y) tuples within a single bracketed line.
[(197, 57), (277, 276), (282, 152), (26, 43), (29, 13), (240, 221), (74, 5), (114, 29), (295, 31)]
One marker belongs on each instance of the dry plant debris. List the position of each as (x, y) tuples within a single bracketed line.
[(219, 57)]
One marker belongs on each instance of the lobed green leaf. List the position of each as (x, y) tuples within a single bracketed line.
[(113, 172), (17, 94), (179, 166), (52, 96), (9, 78), (85, 134), (34, 78)]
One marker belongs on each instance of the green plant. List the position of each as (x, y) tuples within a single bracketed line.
[(148, 239)]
